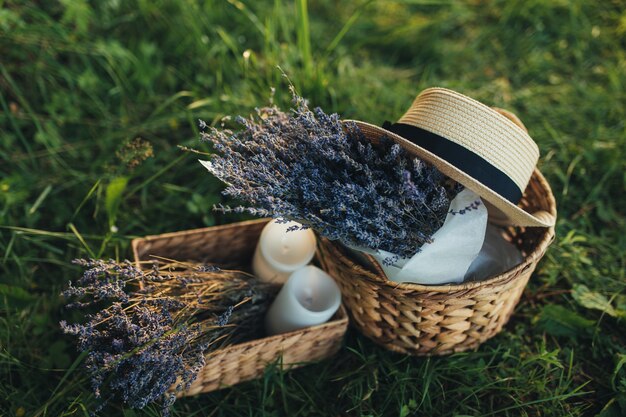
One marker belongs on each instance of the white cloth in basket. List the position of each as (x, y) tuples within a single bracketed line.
[(455, 246)]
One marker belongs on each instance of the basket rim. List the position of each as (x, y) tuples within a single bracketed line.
[(531, 258), (139, 240), (443, 288), (341, 320)]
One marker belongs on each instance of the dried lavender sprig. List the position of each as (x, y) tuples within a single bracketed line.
[(151, 329), (309, 166)]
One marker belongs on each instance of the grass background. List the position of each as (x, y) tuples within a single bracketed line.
[(79, 80)]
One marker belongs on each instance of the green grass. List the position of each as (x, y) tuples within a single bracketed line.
[(79, 80)]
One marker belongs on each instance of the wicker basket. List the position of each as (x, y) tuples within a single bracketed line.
[(233, 245), (437, 320)]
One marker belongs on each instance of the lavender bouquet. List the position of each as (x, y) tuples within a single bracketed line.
[(310, 167), (150, 330)]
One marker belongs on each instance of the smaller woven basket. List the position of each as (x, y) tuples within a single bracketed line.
[(437, 320), (234, 245)]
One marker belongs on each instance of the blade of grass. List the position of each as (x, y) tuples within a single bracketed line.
[(9, 248), (156, 175), (40, 200), (16, 127), (87, 197), (47, 233), (344, 30), (69, 371), (20, 96), (80, 239), (248, 13), (304, 37), (539, 401)]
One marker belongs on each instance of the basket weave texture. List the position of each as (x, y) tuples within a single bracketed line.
[(233, 246), (438, 320)]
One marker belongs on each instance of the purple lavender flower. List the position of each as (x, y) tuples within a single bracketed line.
[(222, 320), (473, 206), (310, 167), (141, 342)]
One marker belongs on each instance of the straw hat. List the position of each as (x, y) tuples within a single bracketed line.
[(474, 145)]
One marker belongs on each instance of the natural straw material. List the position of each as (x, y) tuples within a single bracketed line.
[(437, 320), (233, 246), (489, 146)]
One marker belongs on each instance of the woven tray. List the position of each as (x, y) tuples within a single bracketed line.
[(234, 245), (436, 320)]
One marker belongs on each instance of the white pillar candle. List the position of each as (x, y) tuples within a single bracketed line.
[(309, 297), (280, 252)]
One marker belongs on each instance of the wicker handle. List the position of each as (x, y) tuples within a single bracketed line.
[(541, 214), (544, 216), (511, 116)]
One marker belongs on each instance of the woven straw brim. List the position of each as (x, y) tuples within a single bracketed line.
[(501, 210), (499, 140)]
